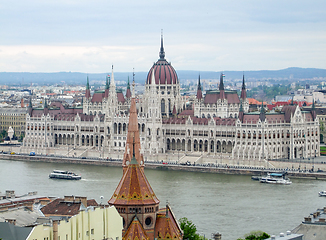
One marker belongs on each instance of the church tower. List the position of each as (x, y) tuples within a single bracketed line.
[(154, 140), (112, 103), (135, 199), (133, 139)]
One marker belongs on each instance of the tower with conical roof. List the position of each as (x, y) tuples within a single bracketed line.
[(134, 197), (128, 92), (133, 139)]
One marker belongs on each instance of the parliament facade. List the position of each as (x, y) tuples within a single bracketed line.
[(217, 125)]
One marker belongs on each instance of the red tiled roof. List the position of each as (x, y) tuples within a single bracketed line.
[(164, 73), (121, 98), (98, 97), (128, 93), (187, 113), (135, 231), (288, 111), (60, 207), (255, 102), (134, 188), (211, 98), (166, 226)]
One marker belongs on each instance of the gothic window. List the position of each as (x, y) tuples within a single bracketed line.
[(163, 106)]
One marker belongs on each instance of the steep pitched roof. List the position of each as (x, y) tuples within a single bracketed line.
[(132, 137), (134, 188), (135, 231), (121, 98), (166, 226), (288, 111), (212, 96), (98, 96)]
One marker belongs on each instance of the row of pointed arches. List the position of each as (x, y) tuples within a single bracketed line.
[(199, 145)]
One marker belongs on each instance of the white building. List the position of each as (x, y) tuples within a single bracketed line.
[(217, 125)]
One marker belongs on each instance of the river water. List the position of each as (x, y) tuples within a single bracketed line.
[(230, 204)]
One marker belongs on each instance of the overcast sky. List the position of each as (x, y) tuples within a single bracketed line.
[(207, 35)]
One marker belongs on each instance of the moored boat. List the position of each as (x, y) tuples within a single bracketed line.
[(322, 194), (276, 178), (256, 178), (60, 174)]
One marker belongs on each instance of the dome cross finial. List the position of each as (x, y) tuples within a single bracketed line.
[(162, 53)]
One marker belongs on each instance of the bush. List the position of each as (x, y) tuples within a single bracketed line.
[(255, 235)]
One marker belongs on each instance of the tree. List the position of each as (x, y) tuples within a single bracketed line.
[(255, 235), (3, 134), (321, 126), (189, 229)]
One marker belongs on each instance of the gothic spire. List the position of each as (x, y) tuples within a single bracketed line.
[(313, 110), (88, 92), (262, 115), (128, 92), (30, 103), (241, 112), (199, 92), (162, 53), (45, 103), (221, 87), (243, 91), (107, 86)]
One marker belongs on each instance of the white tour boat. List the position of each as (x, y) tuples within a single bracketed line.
[(64, 175), (276, 178)]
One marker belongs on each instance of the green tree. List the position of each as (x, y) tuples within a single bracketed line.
[(189, 229), (3, 134), (21, 137), (255, 235), (321, 126)]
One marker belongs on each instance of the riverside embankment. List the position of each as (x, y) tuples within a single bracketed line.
[(223, 169)]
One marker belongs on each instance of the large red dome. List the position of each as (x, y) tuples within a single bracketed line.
[(163, 71)]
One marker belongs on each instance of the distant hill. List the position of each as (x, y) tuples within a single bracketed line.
[(26, 78)]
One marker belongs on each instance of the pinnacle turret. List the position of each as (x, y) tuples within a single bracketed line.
[(199, 92), (162, 53)]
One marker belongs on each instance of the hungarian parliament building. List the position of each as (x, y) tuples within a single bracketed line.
[(216, 124)]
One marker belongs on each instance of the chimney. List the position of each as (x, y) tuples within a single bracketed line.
[(69, 198), (11, 220), (55, 230), (29, 205), (83, 200), (10, 194)]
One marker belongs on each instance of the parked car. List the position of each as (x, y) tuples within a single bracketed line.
[(32, 154)]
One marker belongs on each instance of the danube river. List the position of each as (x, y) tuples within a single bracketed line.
[(230, 204)]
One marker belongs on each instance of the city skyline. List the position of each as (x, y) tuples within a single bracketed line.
[(203, 36)]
